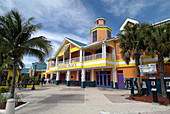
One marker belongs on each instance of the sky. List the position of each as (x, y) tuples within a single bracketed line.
[(75, 18)]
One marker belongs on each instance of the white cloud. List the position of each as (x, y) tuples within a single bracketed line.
[(60, 19), (130, 8), (57, 14)]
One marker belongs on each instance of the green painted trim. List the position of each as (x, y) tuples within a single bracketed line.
[(82, 84), (67, 83), (90, 84), (75, 83), (116, 85), (57, 82)]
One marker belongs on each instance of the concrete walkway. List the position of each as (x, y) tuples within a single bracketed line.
[(52, 99)]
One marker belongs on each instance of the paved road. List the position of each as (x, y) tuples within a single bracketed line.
[(52, 99)]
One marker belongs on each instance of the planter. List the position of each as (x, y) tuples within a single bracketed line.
[(17, 107)]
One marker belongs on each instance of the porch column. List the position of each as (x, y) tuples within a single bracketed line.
[(68, 78), (83, 78), (57, 78), (63, 59), (77, 79), (70, 58), (92, 72), (115, 85), (83, 55), (51, 74), (56, 61), (81, 59), (104, 50)]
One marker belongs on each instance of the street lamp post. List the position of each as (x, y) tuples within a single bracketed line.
[(33, 87)]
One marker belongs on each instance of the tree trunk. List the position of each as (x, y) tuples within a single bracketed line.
[(12, 91), (138, 75), (161, 70)]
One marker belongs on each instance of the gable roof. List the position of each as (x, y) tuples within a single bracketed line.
[(76, 42), (126, 21), (24, 70), (40, 66)]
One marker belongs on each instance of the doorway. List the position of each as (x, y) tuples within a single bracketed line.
[(103, 79), (63, 78)]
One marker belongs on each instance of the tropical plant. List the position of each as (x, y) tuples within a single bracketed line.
[(16, 33), (158, 41), (132, 46)]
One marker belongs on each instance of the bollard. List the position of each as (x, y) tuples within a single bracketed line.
[(10, 106)]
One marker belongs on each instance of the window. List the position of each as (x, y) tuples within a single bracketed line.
[(72, 77), (97, 22), (87, 76), (120, 71), (95, 36), (108, 34)]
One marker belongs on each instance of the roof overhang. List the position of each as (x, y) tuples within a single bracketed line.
[(126, 21)]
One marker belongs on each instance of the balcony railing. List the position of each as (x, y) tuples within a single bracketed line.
[(92, 57), (86, 58), (76, 59)]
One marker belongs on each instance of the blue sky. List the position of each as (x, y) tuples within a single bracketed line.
[(75, 18)]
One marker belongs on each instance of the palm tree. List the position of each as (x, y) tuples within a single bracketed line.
[(132, 45), (158, 41), (16, 33)]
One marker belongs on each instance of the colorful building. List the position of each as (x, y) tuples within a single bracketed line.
[(98, 64), (40, 69)]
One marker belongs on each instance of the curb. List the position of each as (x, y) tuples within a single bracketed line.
[(2, 111)]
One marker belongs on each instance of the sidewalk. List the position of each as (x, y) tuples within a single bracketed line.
[(52, 99)]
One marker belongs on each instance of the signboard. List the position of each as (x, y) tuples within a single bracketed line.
[(67, 66), (149, 68)]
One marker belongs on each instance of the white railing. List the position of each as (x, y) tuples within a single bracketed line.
[(86, 58), (92, 57), (76, 59), (108, 55)]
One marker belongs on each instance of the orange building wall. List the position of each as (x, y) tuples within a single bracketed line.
[(48, 65), (72, 46), (74, 74), (75, 54), (101, 22), (128, 72)]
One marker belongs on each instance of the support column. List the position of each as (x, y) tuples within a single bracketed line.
[(81, 59), (83, 78), (56, 61), (70, 58), (77, 79), (115, 84), (104, 50), (92, 72), (63, 59), (51, 74), (57, 78), (68, 78)]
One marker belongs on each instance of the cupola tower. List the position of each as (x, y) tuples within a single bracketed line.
[(100, 31)]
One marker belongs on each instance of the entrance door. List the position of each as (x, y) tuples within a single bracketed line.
[(103, 80), (63, 78), (120, 81)]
